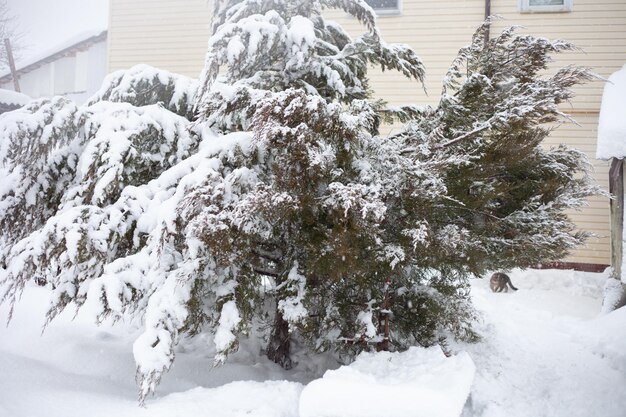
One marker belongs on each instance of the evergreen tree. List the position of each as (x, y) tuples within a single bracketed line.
[(510, 193), (280, 203)]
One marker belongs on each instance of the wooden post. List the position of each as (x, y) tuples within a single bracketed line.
[(7, 45), (616, 188)]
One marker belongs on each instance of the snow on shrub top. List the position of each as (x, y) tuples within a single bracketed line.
[(282, 44), (143, 84)]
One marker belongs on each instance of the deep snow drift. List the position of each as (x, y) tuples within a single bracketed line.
[(545, 352)]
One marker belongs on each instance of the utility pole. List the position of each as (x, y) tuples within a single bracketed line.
[(7, 45)]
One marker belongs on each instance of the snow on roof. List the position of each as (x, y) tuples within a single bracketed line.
[(612, 124), (61, 48), (13, 97)]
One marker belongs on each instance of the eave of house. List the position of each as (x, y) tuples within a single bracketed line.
[(85, 41)]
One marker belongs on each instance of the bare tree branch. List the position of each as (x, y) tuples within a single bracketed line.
[(8, 30)]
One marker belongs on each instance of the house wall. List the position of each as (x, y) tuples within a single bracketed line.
[(167, 34), (76, 76), (172, 34)]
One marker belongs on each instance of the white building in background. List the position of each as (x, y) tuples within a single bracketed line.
[(75, 69)]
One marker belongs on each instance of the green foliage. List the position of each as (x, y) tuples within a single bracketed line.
[(512, 192)]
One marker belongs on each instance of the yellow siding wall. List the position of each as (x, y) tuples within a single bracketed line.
[(598, 27), (167, 34), (436, 30), (172, 34)]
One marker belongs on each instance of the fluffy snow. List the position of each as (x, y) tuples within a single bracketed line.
[(416, 383), (13, 97), (613, 295), (175, 91), (612, 123), (77, 369), (229, 319), (292, 308), (545, 352)]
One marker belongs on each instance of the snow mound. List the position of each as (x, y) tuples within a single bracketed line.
[(418, 382), (612, 123), (613, 295), (572, 283), (606, 338), (13, 97), (242, 398)]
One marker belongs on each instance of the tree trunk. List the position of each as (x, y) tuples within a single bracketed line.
[(383, 321), (279, 343)]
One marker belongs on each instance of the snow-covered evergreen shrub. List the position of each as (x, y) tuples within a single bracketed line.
[(38, 157), (512, 193), (143, 85), (274, 45), (308, 220)]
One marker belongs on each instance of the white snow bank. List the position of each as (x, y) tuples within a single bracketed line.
[(570, 282), (613, 295), (606, 338), (415, 383), (78, 369), (544, 353), (13, 97), (612, 123), (243, 398)]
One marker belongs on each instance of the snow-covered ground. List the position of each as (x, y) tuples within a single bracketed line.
[(545, 352), (78, 369)]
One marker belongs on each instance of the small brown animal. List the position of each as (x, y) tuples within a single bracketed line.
[(499, 281)]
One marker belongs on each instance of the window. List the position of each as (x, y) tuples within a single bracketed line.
[(545, 6), (385, 7)]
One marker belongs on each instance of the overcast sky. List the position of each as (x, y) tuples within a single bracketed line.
[(49, 23)]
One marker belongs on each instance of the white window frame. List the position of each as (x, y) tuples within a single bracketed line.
[(525, 7), (389, 12)]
